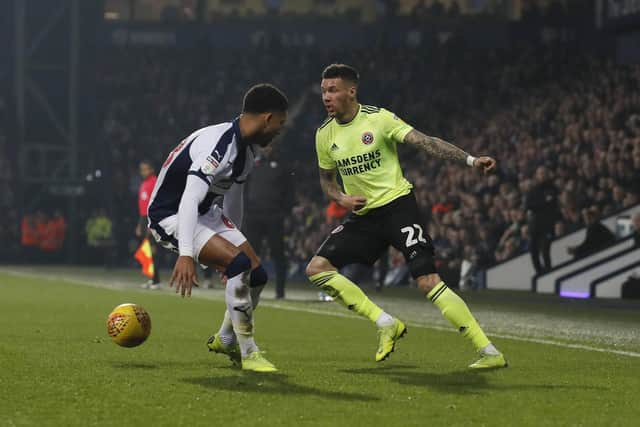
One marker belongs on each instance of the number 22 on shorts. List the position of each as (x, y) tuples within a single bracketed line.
[(411, 232)]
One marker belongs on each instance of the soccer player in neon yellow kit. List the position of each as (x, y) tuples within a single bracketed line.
[(360, 143)]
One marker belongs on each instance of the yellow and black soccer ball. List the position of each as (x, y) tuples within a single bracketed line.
[(129, 325)]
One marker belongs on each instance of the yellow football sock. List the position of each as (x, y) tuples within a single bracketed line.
[(346, 293), (455, 310)]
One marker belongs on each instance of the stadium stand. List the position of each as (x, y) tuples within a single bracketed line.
[(565, 112)]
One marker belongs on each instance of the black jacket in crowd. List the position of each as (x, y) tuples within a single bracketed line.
[(598, 237), (542, 204), (269, 188)]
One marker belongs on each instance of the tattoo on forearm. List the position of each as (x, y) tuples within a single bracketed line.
[(329, 184), (435, 147)]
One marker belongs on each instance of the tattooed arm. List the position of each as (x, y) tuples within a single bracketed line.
[(329, 184), (441, 149), (332, 190)]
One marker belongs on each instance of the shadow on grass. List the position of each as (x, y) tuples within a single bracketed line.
[(134, 365), (458, 382), (270, 383)]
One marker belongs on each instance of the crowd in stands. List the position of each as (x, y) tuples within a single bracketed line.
[(553, 11), (26, 237), (42, 237), (573, 113), (576, 114)]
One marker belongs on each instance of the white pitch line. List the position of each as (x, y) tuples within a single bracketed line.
[(569, 345), (351, 316), (442, 328)]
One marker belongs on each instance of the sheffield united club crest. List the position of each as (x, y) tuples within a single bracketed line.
[(367, 138)]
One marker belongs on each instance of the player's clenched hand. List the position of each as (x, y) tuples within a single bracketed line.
[(487, 164), (353, 203), (184, 275)]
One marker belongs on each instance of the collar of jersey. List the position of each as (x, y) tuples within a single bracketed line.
[(236, 131), (352, 120)]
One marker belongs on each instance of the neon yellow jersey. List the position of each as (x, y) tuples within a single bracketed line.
[(364, 151)]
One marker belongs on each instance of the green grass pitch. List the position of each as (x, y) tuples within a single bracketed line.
[(59, 368)]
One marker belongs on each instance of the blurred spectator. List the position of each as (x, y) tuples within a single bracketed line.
[(51, 237), (508, 250), (597, 237), (29, 238), (99, 232), (270, 192), (542, 210), (42, 231), (398, 273), (335, 213), (59, 226), (513, 233), (569, 210), (148, 175)]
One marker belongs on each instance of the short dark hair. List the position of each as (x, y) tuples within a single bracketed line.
[(342, 71), (264, 98)]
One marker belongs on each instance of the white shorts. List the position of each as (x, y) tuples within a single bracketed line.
[(213, 222)]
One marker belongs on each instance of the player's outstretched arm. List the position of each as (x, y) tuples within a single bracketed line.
[(332, 190), (184, 273), (441, 149)]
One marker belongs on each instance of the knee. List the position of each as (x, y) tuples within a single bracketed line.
[(256, 262), (423, 268), (258, 277), (318, 265), (428, 282)]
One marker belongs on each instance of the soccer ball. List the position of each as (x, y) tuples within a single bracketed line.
[(129, 325)]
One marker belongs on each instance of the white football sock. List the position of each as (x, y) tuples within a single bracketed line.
[(384, 319), (227, 336), (240, 308)]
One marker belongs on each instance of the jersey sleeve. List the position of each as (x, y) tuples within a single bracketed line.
[(322, 149), (394, 127), (194, 193)]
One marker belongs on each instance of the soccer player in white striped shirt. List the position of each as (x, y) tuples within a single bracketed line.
[(210, 164)]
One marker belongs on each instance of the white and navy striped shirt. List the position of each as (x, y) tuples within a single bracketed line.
[(209, 163)]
